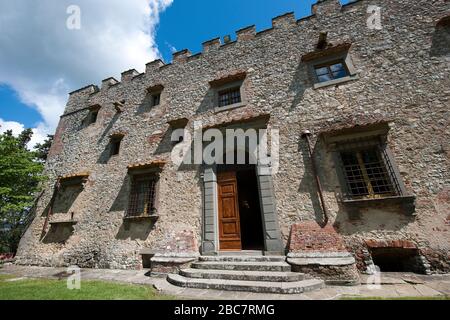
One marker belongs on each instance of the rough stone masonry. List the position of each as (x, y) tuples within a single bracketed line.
[(375, 100)]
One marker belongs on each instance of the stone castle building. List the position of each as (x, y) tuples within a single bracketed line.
[(370, 99)]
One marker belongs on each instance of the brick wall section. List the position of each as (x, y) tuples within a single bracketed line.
[(401, 244), (309, 236)]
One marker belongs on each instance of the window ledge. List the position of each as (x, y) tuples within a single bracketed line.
[(336, 81), (141, 218), (63, 222), (407, 202), (230, 107)]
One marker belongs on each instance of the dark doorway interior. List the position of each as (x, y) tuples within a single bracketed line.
[(397, 260), (250, 211)]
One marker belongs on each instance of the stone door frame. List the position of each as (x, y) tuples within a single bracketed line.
[(273, 244)]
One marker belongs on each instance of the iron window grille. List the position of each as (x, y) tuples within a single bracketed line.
[(331, 71), (230, 96), (142, 197), (368, 172)]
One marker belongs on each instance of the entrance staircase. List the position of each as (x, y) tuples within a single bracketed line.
[(262, 274)]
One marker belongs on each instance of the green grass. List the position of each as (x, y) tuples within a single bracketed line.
[(397, 298), (43, 289)]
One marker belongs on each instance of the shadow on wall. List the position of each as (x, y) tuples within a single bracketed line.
[(58, 233), (105, 155), (108, 128), (135, 230), (307, 184), (207, 103), (372, 217), (441, 38), (165, 145), (146, 105), (65, 198), (121, 200), (300, 83)]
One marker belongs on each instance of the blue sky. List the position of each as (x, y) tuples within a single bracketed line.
[(182, 24)]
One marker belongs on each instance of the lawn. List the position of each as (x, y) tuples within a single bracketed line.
[(42, 289), (397, 298)]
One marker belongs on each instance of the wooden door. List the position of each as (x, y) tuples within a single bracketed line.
[(229, 223)]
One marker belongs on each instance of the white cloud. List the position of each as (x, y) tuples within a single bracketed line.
[(43, 60), (39, 133)]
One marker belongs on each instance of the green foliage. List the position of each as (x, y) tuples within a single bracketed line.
[(42, 149), (20, 177)]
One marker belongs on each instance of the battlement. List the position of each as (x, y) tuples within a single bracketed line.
[(320, 10)]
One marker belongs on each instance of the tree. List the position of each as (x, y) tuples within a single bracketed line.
[(20, 177), (42, 149)]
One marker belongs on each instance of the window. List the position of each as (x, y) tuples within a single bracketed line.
[(142, 196), (331, 65), (115, 145), (93, 117), (156, 99), (331, 71), (229, 96), (366, 174)]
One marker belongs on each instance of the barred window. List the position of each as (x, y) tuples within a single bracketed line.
[(331, 71), (366, 174), (142, 196), (229, 96)]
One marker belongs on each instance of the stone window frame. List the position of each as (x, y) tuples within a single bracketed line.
[(228, 86), (362, 139), (342, 56)]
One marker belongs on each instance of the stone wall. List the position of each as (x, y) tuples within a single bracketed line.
[(402, 73)]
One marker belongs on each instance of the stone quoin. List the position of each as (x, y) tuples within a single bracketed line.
[(363, 116)]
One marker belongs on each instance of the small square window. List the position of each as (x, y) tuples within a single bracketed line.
[(156, 99), (331, 71), (230, 96)]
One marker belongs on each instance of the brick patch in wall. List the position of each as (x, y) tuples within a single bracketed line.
[(404, 244), (309, 236)]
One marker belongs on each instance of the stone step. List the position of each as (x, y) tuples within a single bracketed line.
[(248, 286), (242, 266), (243, 275), (243, 258)]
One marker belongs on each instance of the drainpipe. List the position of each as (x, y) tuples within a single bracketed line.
[(306, 135)]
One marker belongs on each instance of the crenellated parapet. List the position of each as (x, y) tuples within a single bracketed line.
[(287, 21)]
